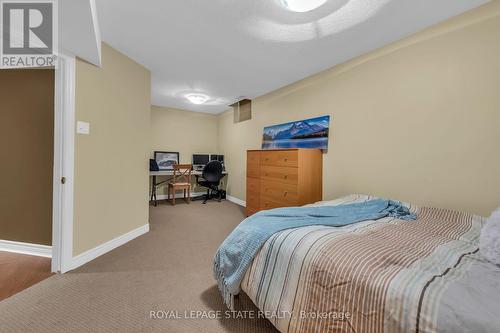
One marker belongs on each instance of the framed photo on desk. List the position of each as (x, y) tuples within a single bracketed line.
[(166, 159)]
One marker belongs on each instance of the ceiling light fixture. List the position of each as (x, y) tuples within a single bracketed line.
[(302, 6), (197, 98)]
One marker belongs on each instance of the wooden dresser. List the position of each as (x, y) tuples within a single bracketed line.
[(283, 178)]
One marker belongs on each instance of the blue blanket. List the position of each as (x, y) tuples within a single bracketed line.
[(237, 252)]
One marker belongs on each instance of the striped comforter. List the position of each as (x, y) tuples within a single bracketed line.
[(378, 276)]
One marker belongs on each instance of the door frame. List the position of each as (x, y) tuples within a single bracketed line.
[(64, 161)]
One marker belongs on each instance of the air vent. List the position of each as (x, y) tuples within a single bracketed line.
[(242, 110)]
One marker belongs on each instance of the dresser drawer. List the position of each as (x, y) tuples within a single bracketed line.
[(253, 185), (283, 158), (253, 170), (280, 192), (268, 203), (253, 157), (253, 201), (279, 174)]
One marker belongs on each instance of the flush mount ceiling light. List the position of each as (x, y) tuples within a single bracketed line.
[(302, 6), (337, 16), (197, 98)]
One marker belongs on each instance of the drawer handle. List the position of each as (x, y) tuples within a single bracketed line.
[(286, 159), (284, 194), (285, 176), (267, 159), (265, 174)]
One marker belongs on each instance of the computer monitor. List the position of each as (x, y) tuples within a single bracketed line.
[(214, 157), (200, 160)]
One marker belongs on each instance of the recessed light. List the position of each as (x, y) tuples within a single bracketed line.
[(302, 6), (197, 98)]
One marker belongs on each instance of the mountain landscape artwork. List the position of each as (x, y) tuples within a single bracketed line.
[(309, 133)]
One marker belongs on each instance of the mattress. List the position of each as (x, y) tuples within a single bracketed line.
[(384, 275)]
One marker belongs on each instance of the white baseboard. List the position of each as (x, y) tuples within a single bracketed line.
[(236, 201), (98, 251), (26, 248)]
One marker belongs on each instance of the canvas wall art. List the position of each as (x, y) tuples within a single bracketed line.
[(308, 133)]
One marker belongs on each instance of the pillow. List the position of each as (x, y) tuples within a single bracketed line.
[(489, 242)]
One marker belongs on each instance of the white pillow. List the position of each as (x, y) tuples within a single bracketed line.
[(489, 243)]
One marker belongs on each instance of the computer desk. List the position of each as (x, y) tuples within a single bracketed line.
[(168, 173)]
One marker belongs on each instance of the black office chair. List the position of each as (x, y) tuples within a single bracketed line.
[(212, 174)]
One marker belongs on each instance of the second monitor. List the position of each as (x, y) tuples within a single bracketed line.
[(200, 160), (219, 158)]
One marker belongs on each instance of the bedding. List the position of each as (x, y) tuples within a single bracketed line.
[(489, 243), (237, 251), (384, 275)]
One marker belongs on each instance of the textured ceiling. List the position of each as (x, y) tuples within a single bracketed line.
[(230, 49)]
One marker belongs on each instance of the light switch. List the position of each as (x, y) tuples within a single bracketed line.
[(82, 127)]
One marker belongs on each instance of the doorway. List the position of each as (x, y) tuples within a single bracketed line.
[(27, 118)]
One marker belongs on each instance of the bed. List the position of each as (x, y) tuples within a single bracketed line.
[(386, 275)]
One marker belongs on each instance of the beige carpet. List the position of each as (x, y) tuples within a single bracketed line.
[(169, 269)]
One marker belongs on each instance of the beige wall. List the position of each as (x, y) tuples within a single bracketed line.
[(111, 164), (417, 121), (182, 131), (27, 155)]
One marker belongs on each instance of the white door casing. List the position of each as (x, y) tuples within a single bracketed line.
[(64, 153)]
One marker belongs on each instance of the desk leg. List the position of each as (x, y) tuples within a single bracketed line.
[(153, 190), (199, 197)]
